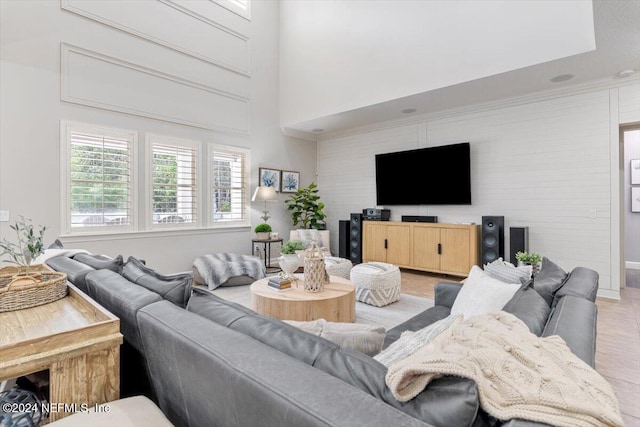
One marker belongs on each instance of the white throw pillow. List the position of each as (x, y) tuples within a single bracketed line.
[(410, 342), (482, 294), (307, 236)]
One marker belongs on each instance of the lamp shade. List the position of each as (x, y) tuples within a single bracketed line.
[(264, 193)]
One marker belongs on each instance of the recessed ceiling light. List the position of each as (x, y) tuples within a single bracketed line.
[(562, 78), (317, 130), (626, 73), (409, 110)]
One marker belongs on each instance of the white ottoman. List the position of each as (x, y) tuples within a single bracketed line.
[(337, 266), (377, 283)]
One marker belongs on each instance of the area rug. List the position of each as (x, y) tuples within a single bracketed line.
[(388, 316)]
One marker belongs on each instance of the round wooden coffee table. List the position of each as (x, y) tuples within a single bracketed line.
[(337, 303)]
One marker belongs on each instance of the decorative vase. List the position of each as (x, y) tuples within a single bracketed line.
[(289, 263), (314, 272)]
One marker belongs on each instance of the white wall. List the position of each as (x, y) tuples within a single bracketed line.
[(342, 55), (541, 163), (196, 70), (632, 219)]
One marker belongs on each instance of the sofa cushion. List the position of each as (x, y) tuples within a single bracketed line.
[(76, 271), (508, 273), (528, 306), (550, 278), (482, 294), (581, 282), (447, 401), (175, 288), (100, 262), (366, 339), (122, 298)]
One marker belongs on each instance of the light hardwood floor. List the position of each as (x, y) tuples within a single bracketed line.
[(617, 344)]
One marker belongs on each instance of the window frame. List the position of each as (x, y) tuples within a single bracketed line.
[(210, 222), (67, 128), (235, 8), (150, 139)]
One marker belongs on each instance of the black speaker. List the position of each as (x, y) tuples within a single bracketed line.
[(343, 238), (518, 242), (492, 244), (355, 241)]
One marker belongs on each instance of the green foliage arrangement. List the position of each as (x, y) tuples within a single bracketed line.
[(29, 245), (528, 258), (262, 228), (291, 247), (306, 207)]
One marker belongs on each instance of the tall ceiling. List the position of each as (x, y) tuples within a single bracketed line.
[(617, 47)]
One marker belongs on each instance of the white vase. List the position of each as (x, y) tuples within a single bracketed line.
[(289, 264)]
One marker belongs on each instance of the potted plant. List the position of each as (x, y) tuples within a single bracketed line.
[(30, 245), (290, 259), (262, 231), (306, 208), (530, 258)]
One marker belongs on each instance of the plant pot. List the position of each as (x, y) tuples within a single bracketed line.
[(263, 235)]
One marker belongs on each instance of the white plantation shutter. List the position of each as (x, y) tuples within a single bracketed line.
[(99, 179), (229, 183), (174, 184)]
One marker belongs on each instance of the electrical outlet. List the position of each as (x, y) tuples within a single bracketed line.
[(593, 213), (4, 216)]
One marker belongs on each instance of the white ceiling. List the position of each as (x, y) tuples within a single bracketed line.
[(617, 39)]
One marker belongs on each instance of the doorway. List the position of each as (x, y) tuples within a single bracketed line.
[(630, 156)]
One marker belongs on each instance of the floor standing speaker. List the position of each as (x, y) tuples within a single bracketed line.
[(492, 246), (518, 242), (355, 250), (344, 228)]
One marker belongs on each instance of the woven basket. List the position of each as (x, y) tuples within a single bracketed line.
[(24, 291)]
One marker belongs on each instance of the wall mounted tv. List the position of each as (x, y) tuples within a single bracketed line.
[(427, 176)]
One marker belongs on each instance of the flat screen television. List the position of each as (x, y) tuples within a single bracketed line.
[(427, 176)]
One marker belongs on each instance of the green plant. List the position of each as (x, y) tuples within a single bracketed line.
[(306, 207), (262, 228), (528, 257), (291, 247), (29, 245)]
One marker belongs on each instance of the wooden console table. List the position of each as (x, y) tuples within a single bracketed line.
[(76, 339)]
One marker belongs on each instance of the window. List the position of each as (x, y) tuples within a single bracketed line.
[(173, 179), (240, 7), (228, 184), (98, 177)]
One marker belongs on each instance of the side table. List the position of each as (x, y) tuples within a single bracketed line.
[(267, 250)]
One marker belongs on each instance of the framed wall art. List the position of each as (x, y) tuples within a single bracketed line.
[(269, 178), (290, 181), (635, 171), (635, 199)]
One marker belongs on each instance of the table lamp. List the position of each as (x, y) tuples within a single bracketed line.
[(265, 194)]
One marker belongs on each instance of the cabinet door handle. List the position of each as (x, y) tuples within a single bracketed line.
[(439, 248), (385, 243)]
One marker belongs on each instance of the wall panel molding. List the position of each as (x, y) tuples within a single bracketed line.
[(210, 41), (96, 80)]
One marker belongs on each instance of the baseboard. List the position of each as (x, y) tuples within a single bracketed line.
[(606, 293), (632, 265)]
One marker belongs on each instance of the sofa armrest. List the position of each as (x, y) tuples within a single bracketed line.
[(574, 319), (446, 293)]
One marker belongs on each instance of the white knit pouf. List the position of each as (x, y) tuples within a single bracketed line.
[(337, 266), (377, 283)]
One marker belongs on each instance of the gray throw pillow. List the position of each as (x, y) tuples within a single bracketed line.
[(175, 288), (550, 278), (100, 262), (57, 244), (508, 273), (528, 306)]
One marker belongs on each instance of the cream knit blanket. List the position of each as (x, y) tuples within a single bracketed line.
[(518, 374)]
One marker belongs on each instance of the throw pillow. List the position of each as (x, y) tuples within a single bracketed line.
[(410, 342), (550, 278), (308, 236), (528, 306), (508, 273), (57, 244), (367, 339), (482, 294), (175, 288), (100, 262)]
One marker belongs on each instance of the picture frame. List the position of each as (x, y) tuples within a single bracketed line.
[(635, 199), (290, 182), (635, 171), (269, 178)]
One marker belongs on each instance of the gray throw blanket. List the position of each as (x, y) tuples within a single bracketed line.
[(216, 269)]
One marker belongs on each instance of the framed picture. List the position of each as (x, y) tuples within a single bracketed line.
[(290, 181), (635, 171), (635, 199), (269, 178)]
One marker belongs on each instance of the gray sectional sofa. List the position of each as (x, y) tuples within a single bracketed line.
[(213, 362)]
